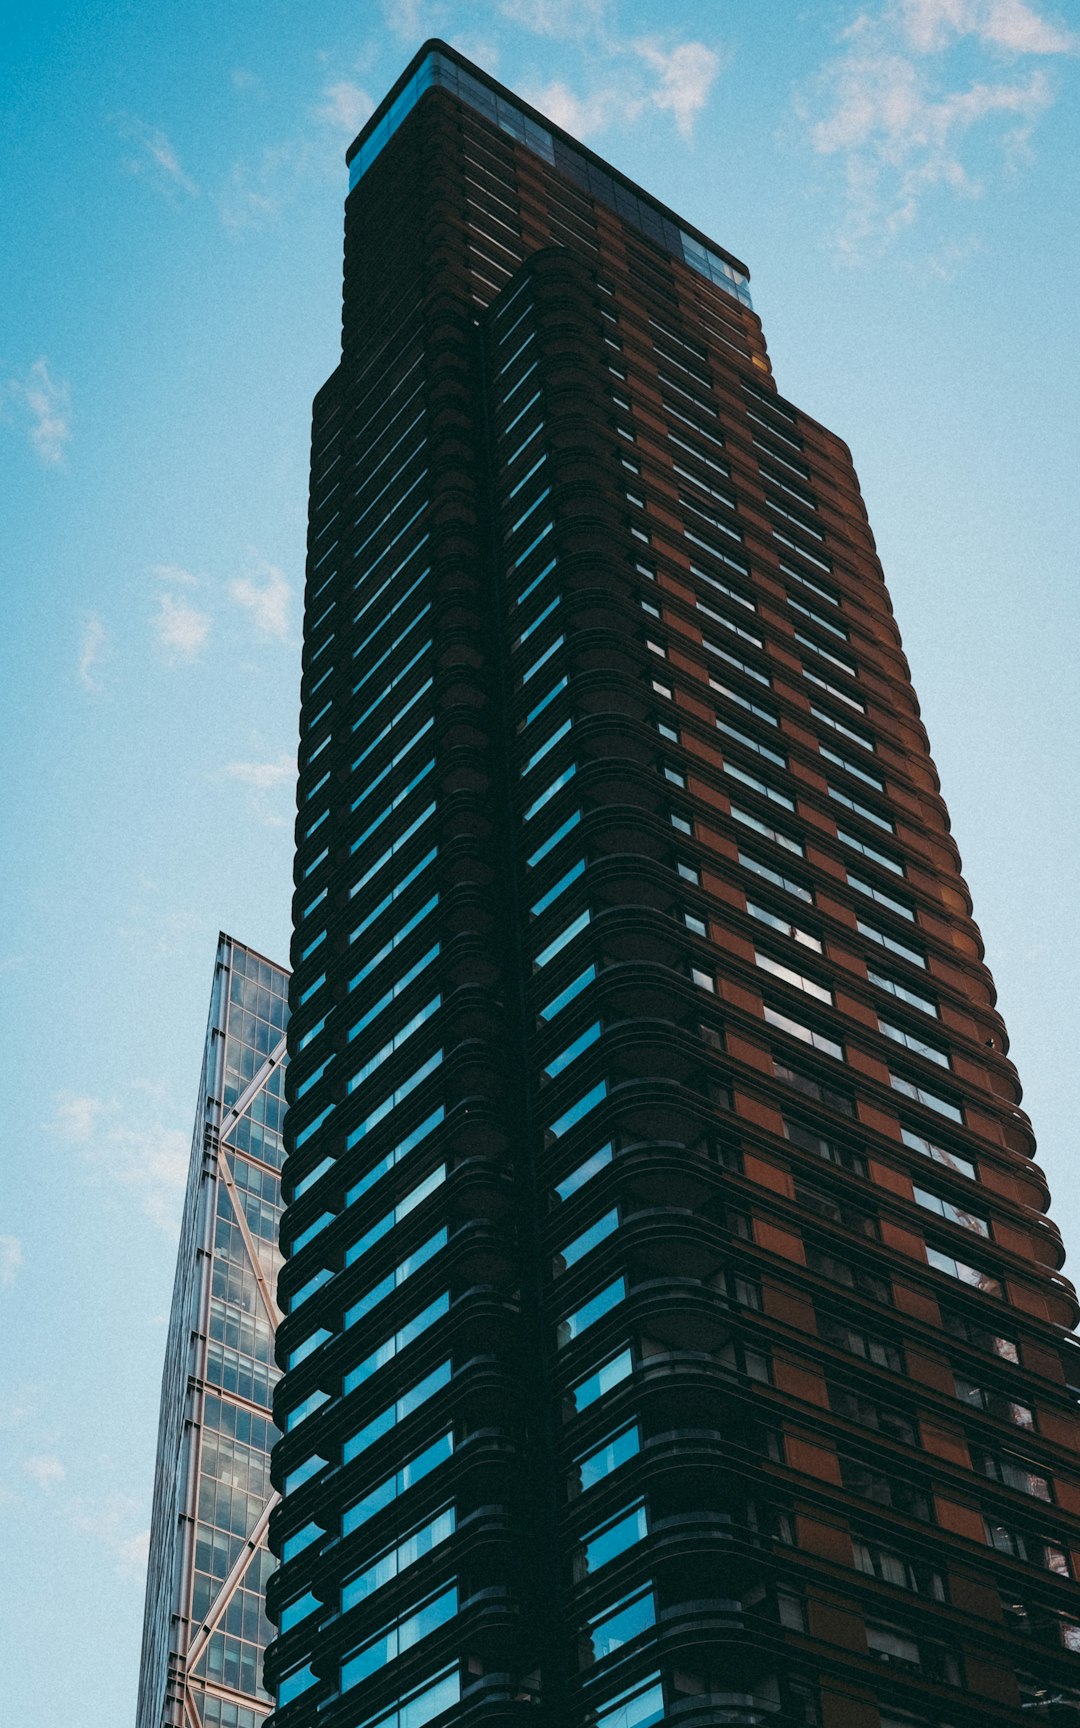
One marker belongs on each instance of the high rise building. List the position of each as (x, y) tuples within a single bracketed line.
[(673, 1326), (205, 1629)]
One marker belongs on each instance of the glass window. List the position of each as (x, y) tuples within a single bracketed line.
[(610, 1374), (590, 1312), (909, 1089), (806, 1034), (915, 1042), (949, 1210), (611, 1540), (395, 1639), (596, 1233), (566, 996), (951, 1160), (599, 1463), (965, 1274), (616, 1626), (577, 1178), (798, 980)]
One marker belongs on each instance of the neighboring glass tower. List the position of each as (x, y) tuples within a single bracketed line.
[(673, 1329), (205, 1630)]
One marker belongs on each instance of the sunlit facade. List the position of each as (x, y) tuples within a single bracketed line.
[(205, 1628), (673, 1329)]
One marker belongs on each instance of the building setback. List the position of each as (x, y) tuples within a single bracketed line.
[(674, 1330), (205, 1629)]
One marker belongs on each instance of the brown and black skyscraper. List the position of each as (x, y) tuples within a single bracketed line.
[(674, 1331)]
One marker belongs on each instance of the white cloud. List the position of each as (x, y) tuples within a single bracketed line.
[(262, 776), (344, 106), (76, 1116), (563, 19), (11, 1258), (181, 629), (901, 104), (264, 783), (154, 158), (266, 595), (589, 114), (630, 76), (44, 1469), (127, 1145), (686, 75), (1006, 24), (113, 1521), (411, 21), (46, 402), (91, 648)]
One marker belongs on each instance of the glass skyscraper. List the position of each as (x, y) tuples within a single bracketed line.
[(674, 1331), (205, 1628)]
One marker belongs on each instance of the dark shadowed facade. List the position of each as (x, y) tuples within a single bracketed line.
[(205, 1628), (674, 1331)]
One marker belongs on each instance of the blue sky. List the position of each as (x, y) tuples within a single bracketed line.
[(900, 179)]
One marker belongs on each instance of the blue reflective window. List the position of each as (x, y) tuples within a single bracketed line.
[(592, 1165), (559, 887), (552, 840), (565, 1057), (544, 702), (536, 665), (640, 1707), (413, 1471), (395, 893), (399, 986), (559, 942), (394, 1280), (613, 1539), (397, 1412), (392, 1158), (577, 1111), (399, 1094), (628, 1619), (395, 1043), (549, 1011), (398, 1559), (590, 1312), (593, 1386), (298, 1609), (291, 1685), (597, 1231), (394, 1640), (603, 1459), (768, 874), (548, 744)]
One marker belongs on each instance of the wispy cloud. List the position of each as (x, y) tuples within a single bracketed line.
[(265, 782), (44, 1469), (128, 1145), (901, 110), (629, 77), (114, 1522), (265, 594), (153, 157), (181, 628), (413, 20), (258, 188), (44, 402), (11, 1259), (685, 77), (344, 106), (91, 648)]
